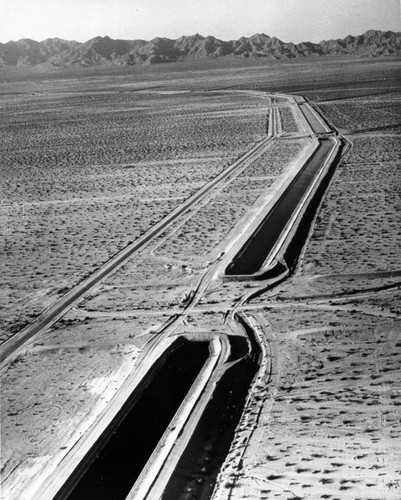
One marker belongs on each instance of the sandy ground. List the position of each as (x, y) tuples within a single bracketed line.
[(322, 419), (69, 205), (327, 417)]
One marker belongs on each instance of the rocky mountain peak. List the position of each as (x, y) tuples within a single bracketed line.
[(103, 50)]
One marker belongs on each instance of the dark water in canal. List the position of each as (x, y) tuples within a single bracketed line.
[(253, 254), (195, 475), (133, 437)]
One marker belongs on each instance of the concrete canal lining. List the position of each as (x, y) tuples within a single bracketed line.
[(251, 257), (111, 468), (197, 469), (314, 119)]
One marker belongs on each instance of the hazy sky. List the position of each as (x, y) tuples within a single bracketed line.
[(289, 20)]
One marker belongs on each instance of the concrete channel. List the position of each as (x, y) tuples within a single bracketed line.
[(158, 437), (135, 432), (199, 465), (148, 428), (274, 233)]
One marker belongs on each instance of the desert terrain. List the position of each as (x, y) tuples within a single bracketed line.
[(194, 155)]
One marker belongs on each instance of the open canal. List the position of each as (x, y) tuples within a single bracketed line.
[(251, 257), (195, 475), (110, 472)]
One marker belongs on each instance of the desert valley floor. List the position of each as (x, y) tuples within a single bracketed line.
[(176, 165)]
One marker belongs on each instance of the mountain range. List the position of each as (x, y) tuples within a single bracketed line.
[(99, 51)]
